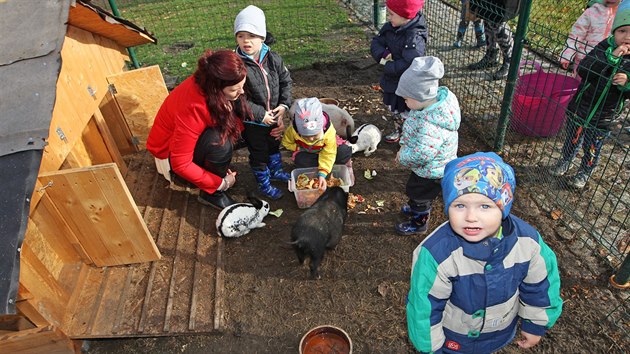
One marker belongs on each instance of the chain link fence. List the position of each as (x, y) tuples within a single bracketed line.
[(520, 116)]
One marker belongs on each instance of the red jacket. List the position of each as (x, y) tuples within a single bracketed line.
[(182, 118)]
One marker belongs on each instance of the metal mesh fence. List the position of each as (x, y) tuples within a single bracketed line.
[(596, 215), (311, 31)]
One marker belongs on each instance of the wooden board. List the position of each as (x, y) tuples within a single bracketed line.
[(175, 295), (100, 211), (139, 94), (117, 125), (47, 340)]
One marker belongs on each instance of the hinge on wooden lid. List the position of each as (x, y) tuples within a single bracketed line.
[(61, 134), (112, 89)]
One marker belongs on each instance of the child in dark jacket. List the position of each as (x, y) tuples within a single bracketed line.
[(399, 41), (268, 88), (478, 275), (592, 111)]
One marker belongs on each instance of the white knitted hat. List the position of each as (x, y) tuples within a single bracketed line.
[(251, 19)]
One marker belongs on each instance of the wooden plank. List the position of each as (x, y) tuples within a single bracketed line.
[(52, 224), (219, 310), (176, 262), (146, 304), (49, 340), (118, 127), (102, 214), (29, 311), (118, 314), (51, 297), (110, 144), (192, 322), (140, 94)]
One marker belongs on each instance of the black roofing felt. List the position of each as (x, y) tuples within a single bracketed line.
[(31, 36)]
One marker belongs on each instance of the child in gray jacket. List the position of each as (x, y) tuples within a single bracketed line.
[(429, 138)]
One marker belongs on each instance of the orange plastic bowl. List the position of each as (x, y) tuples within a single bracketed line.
[(326, 339)]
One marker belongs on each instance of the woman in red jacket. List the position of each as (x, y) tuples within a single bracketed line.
[(199, 125)]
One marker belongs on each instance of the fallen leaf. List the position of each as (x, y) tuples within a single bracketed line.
[(276, 213), (556, 214), (383, 289), (367, 174), (380, 203)]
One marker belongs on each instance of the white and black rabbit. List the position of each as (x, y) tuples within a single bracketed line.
[(238, 219), (365, 138)]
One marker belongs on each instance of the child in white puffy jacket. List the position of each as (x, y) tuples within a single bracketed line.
[(592, 27), (429, 138)]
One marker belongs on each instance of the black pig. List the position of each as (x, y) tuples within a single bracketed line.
[(320, 227)]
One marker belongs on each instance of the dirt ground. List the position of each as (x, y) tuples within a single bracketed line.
[(271, 301)]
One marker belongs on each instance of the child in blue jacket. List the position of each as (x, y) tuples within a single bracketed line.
[(399, 41), (429, 138), (479, 274)]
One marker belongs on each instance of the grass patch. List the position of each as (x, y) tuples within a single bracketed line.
[(306, 31)]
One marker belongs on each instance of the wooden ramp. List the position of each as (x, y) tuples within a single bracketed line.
[(179, 294)]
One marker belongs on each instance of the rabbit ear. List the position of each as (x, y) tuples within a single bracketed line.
[(256, 202)]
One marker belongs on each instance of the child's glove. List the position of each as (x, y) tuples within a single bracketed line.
[(387, 56)]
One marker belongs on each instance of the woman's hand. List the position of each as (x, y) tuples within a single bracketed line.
[(229, 180)]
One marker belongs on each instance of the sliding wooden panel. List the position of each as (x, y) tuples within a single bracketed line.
[(102, 214)]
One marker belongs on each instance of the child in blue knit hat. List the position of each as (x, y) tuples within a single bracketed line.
[(594, 109), (482, 272)]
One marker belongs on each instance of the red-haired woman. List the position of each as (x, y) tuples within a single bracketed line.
[(199, 125)]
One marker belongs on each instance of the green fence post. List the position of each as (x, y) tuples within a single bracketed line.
[(379, 14), (508, 94), (132, 52), (620, 279)]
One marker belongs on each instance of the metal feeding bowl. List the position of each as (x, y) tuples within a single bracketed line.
[(326, 339)]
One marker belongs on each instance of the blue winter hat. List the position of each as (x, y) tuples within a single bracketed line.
[(622, 18), (482, 172)]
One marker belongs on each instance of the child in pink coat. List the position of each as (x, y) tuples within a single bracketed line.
[(592, 27)]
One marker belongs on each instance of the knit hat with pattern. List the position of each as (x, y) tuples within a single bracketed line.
[(308, 116), (482, 172), (622, 18)]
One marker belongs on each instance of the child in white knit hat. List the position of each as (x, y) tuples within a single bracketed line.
[(268, 88), (429, 138)]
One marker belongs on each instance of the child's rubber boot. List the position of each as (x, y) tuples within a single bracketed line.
[(275, 169), (480, 35), (490, 59), (263, 176), (503, 70), (418, 224)]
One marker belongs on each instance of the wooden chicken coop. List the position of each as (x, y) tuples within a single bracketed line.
[(96, 262)]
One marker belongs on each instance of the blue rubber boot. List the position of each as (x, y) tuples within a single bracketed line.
[(264, 185), (275, 169), (418, 224)]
